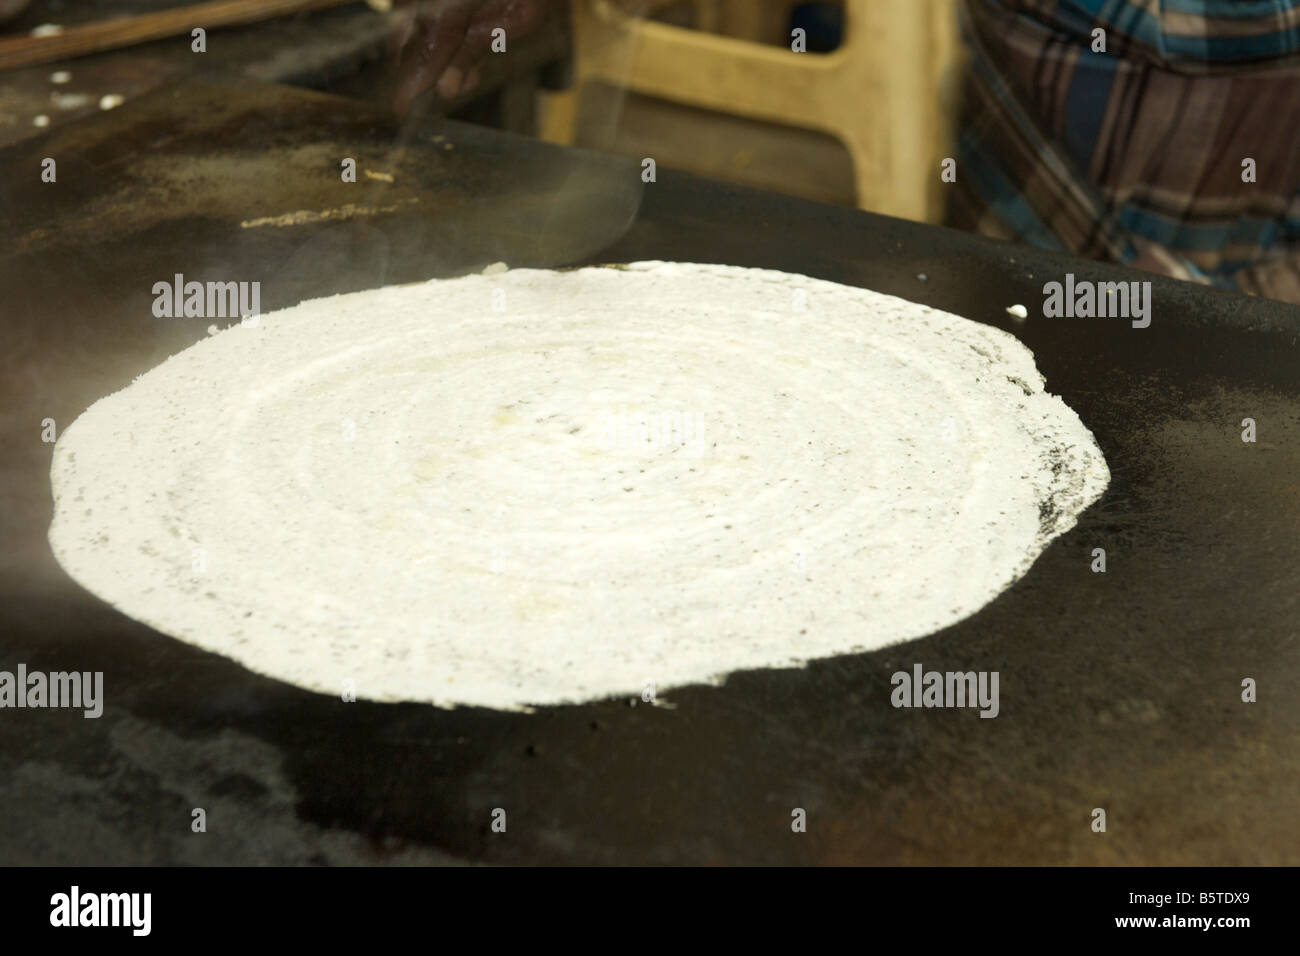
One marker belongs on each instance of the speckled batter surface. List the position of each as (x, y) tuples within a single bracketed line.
[(535, 487)]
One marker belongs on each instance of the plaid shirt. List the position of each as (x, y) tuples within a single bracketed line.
[(1137, 155)]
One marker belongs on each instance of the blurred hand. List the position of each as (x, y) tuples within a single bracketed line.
[(440, 44)]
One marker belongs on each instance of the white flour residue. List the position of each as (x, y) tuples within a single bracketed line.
[(534, 487)]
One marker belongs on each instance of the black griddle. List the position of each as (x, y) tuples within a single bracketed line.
[(1119, 690)]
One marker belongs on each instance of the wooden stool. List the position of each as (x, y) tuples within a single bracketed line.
[(883, 92)]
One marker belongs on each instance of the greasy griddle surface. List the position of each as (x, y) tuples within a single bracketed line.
[(1118, 690)]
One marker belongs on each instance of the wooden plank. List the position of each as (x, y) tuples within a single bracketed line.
[(20, 51)]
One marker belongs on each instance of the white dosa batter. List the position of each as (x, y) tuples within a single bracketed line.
[(535, 487)]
